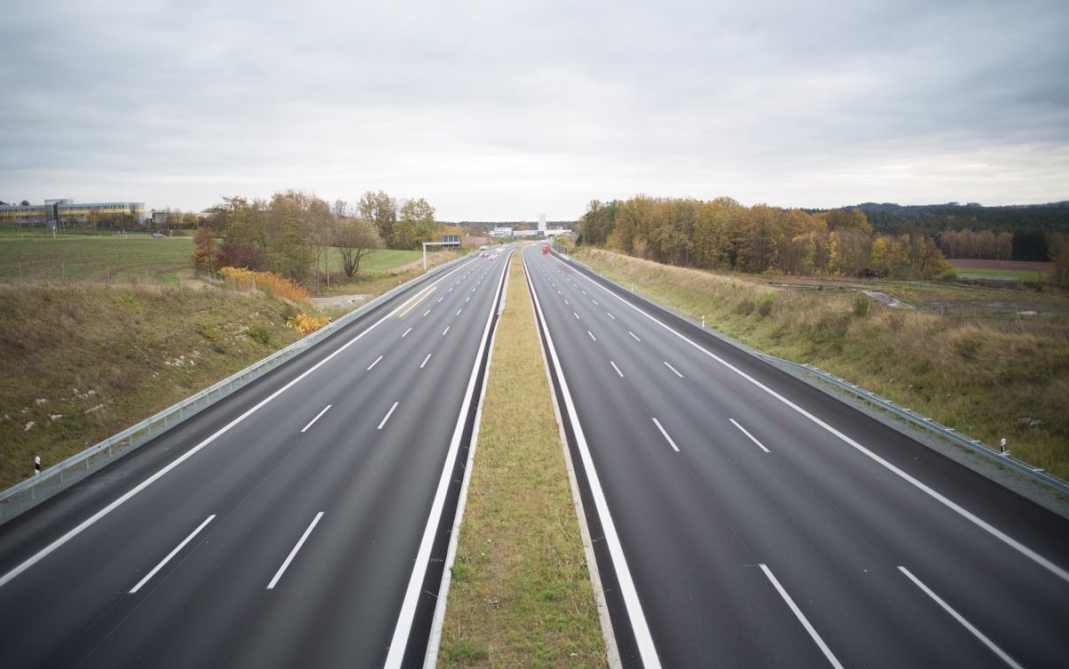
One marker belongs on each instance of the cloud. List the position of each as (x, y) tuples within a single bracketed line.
[(504, 110)]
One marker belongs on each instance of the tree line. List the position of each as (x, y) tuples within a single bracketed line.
[(939, 218), (723, 234), (294, 233)]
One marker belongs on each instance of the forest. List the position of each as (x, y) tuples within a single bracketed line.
[(723, 234)]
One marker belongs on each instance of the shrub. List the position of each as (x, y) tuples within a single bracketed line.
[(764, 305), (272, 284), (305, 324), (861, 305), (260, 332)]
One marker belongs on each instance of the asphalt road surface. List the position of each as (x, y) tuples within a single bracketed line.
[(744, 519), (296, 523)]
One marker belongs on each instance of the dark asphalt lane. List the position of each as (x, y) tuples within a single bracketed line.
[(288, 539), (789, 529)]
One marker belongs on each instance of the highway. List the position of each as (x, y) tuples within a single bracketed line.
[(742, 518), (300, 522)]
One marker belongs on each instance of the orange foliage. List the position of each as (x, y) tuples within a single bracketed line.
[(305, 324), (272, 284)]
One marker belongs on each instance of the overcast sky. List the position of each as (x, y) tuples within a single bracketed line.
[(503, 110)]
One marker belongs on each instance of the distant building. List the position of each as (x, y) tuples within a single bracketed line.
[(68, 212)]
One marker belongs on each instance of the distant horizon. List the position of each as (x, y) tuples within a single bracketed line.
[(534, 218), (493, 115)]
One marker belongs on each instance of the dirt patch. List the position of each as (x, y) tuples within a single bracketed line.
[(340, 301)]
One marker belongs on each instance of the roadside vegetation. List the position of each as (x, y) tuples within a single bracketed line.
[(865, 241), (81, 362), (988, 373), (98, 332), (521, 593)]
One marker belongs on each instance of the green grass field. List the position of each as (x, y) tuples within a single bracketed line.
[(384, 260), (1001, 274), (34, 256), (127, 259)]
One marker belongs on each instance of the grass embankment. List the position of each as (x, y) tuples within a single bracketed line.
[(100, 332), (984, 379), (521, 593), (79, 363)]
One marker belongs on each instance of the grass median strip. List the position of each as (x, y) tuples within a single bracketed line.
[(521, 593)]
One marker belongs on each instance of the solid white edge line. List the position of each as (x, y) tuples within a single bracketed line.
[(612, 650), (164, 471), (640, 628), (293, 553), (388, 414), (752, 438), (931, 492), (801, 618), (403, 628), (318, 416), (170, 556), (961, 619), (430, 659), (665, 435)]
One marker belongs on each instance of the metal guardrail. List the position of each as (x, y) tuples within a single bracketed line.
[(908, 416), (925, 424), (25, 495)]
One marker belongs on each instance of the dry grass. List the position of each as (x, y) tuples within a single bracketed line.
[(981, 378), (521, 593), (80, 362)]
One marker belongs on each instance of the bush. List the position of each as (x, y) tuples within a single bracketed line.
[(861, 305), (272, 284), (260, 333), (305, 324)]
